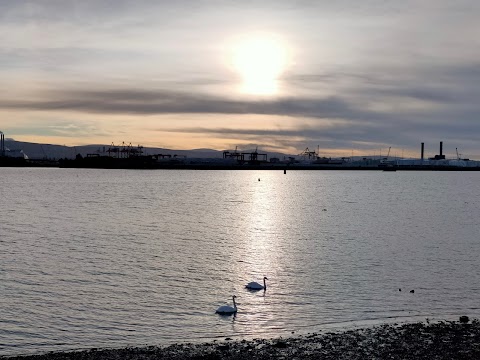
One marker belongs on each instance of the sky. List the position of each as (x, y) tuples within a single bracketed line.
[(345, 77)]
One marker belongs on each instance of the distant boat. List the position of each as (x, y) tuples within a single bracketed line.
[(387, 165), (328, 161)]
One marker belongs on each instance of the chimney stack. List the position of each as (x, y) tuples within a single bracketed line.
[(421, 154), (2, 144), (441, 148)]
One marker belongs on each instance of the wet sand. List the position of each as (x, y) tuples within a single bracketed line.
[(439, 340)]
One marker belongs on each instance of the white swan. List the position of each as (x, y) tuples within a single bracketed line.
[(256, 286), (226, 309)]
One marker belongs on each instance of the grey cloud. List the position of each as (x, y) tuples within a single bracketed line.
[(166, 102), (450, 93), (347, 106)]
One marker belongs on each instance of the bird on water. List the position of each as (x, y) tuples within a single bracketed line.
[(256, 286), (227, 309)]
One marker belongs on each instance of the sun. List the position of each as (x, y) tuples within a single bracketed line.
[(260, 60)]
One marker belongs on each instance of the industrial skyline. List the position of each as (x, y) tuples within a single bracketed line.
[(347, 77)]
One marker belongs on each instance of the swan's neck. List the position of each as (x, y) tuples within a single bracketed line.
[(264, 284), (234, 303)]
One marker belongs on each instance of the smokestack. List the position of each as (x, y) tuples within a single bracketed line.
[(423, 147), (441, 148), (2, 144)]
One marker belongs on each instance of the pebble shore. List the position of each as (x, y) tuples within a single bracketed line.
[(439, 340)]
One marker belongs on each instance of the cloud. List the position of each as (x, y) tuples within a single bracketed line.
[(370, 107), (58, 128), (370, 72), (375, 100), (164, 102)]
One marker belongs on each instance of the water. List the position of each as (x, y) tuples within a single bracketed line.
[(110, 258)]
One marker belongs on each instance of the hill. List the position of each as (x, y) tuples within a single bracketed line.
[(55, 152)]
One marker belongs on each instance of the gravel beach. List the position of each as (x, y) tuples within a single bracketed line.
[(439, 340)]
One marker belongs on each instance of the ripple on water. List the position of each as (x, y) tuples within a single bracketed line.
[(107, 258)]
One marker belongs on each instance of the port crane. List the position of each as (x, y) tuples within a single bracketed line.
[(459, 155), (233, 154), (388, 154), (310, 154)]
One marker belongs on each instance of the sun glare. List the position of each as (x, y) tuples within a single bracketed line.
[(260, 60)]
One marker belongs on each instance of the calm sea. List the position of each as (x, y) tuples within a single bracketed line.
[(115, 258)]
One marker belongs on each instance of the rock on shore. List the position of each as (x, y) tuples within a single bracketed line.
[(441, 340)]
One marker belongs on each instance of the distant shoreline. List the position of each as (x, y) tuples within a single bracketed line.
[(144, 163), (439, 340), (249, 167)]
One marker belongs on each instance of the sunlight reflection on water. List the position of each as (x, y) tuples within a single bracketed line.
[(109, 258)]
